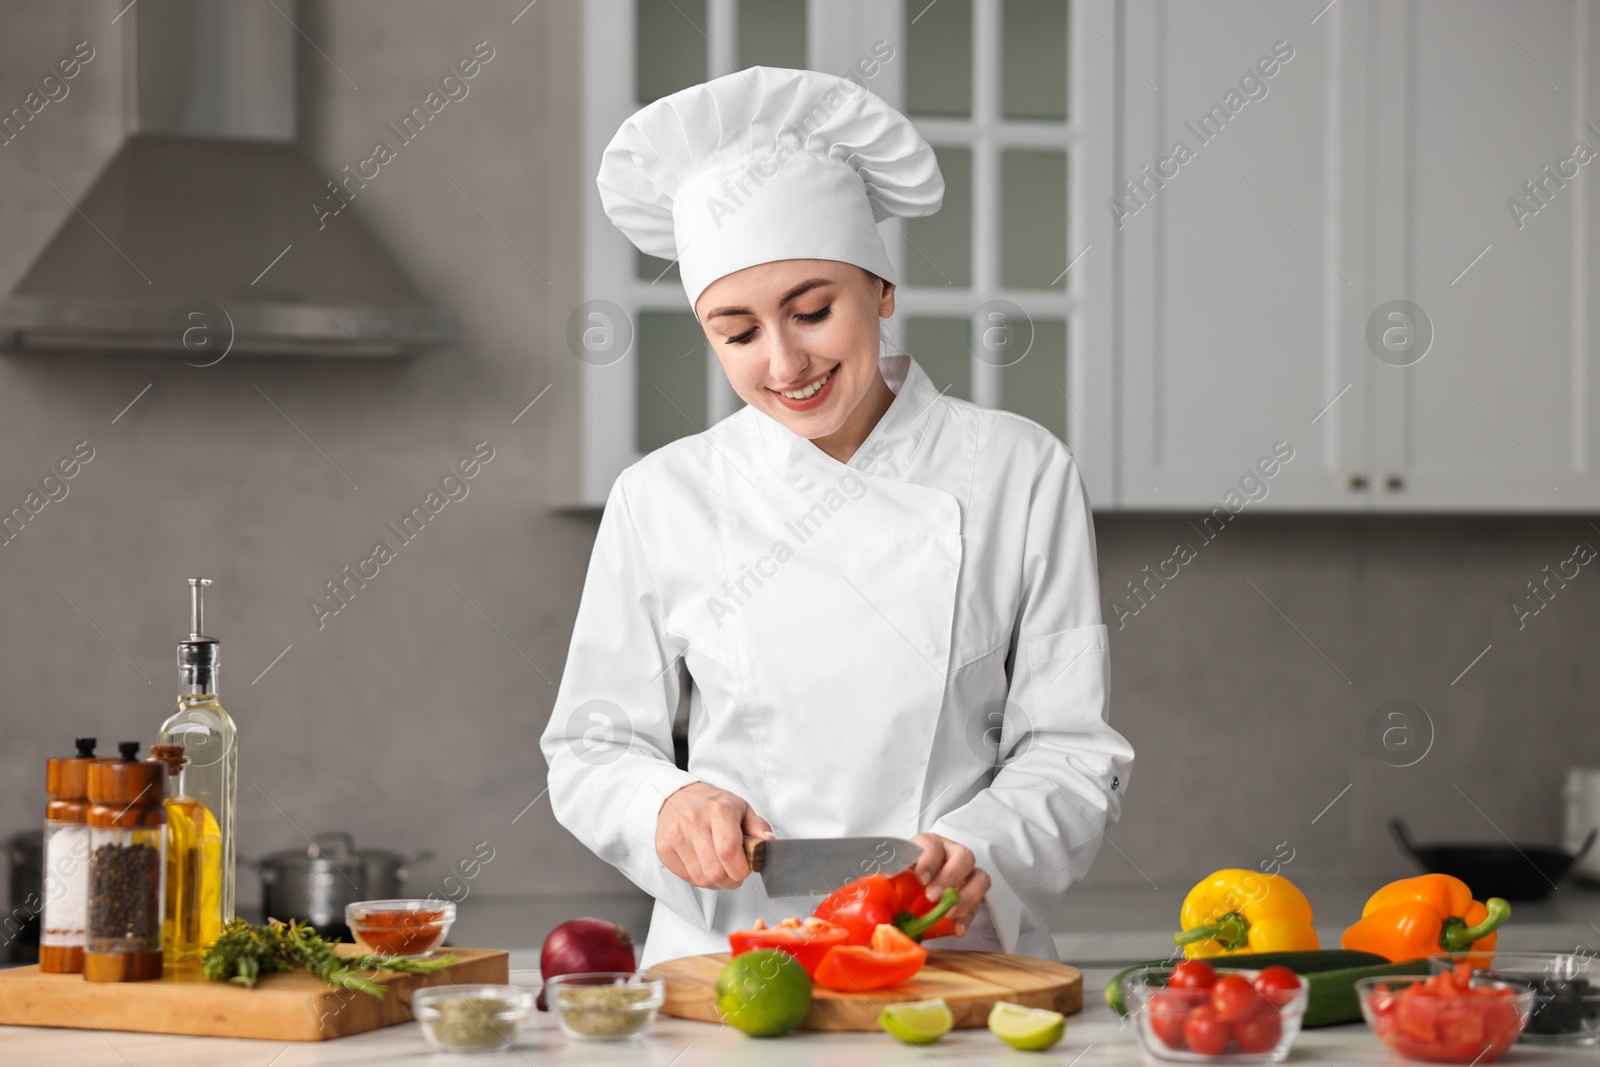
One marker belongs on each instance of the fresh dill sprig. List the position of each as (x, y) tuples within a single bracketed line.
[(245, 952)]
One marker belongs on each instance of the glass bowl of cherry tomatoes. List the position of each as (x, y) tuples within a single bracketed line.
[(1197, 1012), (1451, 1017)]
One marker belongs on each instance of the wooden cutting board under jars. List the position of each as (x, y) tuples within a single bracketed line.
[(970, 982), (282, 1007)]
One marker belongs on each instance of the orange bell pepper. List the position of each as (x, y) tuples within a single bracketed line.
[(1416, 917)]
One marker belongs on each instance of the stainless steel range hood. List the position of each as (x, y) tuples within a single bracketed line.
[(209, 216)]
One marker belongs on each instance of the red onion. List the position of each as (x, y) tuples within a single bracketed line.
[(580, 946)]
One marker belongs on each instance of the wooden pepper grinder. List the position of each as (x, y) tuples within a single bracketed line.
[(66, 861), (127, 843)]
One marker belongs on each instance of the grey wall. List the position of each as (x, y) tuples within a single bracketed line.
[(410, 721), (1246, 729)]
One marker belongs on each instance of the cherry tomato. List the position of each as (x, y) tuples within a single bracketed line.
[(1260, 1032), (1234, 998), (1192, 974), (1205, 1031), (1278, 985), (1168, 1010)]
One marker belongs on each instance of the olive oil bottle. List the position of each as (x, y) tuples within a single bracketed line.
[(191, 914), (209, 740)]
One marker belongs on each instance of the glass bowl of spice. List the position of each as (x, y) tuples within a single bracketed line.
[(605, 1005), (406, 928), (482, 1018)]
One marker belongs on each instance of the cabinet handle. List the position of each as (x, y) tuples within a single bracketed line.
[(1394, 483), (1356, 482)]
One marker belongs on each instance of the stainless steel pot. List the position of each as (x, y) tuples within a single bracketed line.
[(19, 926), (315, 883)]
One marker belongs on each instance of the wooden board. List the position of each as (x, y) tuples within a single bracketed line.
[(282, 1007), (970, 982)]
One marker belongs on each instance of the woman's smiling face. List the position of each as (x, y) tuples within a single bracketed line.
[(799, 341)]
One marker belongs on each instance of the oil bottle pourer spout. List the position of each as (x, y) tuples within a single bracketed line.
[(197, 607)]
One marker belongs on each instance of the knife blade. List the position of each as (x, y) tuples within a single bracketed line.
[(807, 866)]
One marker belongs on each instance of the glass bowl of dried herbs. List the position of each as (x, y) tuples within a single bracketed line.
[(482, 1018), (605, 1005)]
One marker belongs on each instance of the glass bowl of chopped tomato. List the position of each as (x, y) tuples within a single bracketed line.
[(1197, 1013), (1566, 990), (1453, 1017), (407, 928)]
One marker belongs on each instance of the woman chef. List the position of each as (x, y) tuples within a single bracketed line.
[(885, 598)]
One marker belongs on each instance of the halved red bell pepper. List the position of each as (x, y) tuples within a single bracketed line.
[(891, 958), (806, 941), (867, 903)]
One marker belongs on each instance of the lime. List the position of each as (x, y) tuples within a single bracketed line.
[(764, 993), (1029, 1029), (917, 1022)]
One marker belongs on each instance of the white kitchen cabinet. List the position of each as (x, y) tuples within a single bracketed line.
[(1335, 158), (1376, 167), (1478, 103), (1238, 256)]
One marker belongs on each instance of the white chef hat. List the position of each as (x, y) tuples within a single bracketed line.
[(762, 165)]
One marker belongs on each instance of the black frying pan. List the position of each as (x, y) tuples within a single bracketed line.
[(1515, 872)]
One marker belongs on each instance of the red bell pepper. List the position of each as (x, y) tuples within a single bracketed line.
[(806, 941), (867, 903), (890, 958)]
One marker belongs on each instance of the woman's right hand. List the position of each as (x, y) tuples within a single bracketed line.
[(700, 835)]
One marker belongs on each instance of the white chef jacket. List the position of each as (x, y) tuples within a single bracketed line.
[(908, 642)]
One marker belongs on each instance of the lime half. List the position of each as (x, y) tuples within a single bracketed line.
[(1029, 1029), (918, 1022)]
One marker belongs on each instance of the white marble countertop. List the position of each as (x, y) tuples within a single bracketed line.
[(1095, 1037)]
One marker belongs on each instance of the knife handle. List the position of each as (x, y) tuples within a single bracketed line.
[(755, 850)]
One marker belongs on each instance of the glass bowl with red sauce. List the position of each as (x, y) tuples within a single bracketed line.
[(410, 929)]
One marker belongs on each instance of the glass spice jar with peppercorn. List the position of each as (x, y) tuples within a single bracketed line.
[(127, 853)]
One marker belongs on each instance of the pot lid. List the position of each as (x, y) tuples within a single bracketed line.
[(335, 847)]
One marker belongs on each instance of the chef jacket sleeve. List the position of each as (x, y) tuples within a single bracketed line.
[(609, 740), (1062, 769)]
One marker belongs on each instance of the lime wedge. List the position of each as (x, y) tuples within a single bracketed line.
[(918, 1022), (1029, 1029)]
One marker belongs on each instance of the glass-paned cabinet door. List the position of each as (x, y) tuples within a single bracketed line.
[(942, 349), (670, 47), (939, 246), (1033, 78), (999, 88), (1036, 385), (670, 386), (772, 33), (938, 63), (986, 82), (1033, 218)]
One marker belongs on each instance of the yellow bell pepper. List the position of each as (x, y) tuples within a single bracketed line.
[(1236, 910)]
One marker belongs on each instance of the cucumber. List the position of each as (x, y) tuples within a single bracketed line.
[(1330, 973)]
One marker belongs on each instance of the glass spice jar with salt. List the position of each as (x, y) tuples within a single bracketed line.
[(127, 843), (66, 861)]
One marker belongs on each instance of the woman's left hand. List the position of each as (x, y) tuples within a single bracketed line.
[(945, 863)]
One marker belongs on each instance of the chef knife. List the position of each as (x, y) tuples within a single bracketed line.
[(808, 866)]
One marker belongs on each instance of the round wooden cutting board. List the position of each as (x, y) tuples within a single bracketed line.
[(970, 982)]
